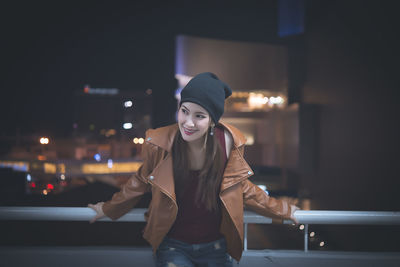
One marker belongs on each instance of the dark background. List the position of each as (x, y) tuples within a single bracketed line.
[(51, 49), (345, 65)]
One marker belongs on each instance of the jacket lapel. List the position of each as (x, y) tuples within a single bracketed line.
[(236, 170), (163, 176)]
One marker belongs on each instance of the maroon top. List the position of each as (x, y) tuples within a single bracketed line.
[(194, 224)]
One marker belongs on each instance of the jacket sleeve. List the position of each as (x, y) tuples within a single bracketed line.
[(131, 192), (258, 200)]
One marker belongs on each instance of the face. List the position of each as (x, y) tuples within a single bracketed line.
[(193, 121)]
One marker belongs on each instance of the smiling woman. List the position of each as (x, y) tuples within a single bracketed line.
[(193, 121), (198, 178)]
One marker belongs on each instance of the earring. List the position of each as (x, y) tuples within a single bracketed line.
[(212, 130)]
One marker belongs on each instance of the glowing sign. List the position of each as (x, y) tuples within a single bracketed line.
[(100, 91)]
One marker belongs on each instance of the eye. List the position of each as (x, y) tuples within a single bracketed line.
[(184, 111), (201, 116)]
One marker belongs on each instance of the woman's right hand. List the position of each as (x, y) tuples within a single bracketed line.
[(98, 208)]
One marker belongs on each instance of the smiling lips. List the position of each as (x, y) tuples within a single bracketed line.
[(188, 132)]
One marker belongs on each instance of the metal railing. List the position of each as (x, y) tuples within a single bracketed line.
[(137, 215)]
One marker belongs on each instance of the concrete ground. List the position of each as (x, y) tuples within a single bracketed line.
[(128, 256)]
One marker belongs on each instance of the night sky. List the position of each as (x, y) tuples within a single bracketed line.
[(51, 49)]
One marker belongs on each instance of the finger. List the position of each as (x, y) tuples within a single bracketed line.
[(94, 207), (95, 218)]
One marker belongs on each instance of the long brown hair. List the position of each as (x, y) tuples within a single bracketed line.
[(210, 176)]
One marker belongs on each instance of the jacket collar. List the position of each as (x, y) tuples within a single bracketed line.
[(164, 136)]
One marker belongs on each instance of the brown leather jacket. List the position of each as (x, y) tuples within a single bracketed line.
[(156, 175)]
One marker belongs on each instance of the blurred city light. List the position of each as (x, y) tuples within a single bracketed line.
[(15, 165), (97, 157), (28, 177), (138, 140), (61, 168), (100, 91), (44, 192), (128, 104), (44, 140), (110, 163), (50, 167), (301, 227), (110, 132), (127, 125), (262, 100), (276, 100), (116, 167), (321, 244), (62, 176), (249, 140), (257, 100), (50, 186), (312, 234)]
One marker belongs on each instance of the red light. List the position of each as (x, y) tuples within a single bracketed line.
[(86, 89), (41, 157), (50, 186), (32, 184)]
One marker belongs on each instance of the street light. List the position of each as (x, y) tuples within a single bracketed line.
[(127, 125), (44, 140), (128, 104)]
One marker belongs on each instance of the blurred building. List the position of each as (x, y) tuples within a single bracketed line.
[(108, 123), (106, 112), (107, 120)]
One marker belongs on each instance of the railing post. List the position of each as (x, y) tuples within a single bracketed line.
[(306, 238), (245, 236)]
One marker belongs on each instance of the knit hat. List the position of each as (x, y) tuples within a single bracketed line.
[(206, 90)]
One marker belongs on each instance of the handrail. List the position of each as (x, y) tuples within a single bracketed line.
[(305, 217), (137, 215)]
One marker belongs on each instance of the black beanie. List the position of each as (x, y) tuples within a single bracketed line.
[(206, 90)]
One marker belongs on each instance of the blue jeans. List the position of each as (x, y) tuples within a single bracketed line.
[(172, 252)]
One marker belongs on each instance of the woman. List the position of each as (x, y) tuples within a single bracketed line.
[(198, 178)]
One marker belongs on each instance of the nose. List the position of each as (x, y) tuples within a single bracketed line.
[(189, 122)]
